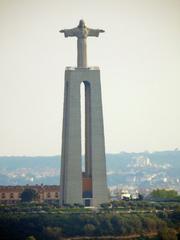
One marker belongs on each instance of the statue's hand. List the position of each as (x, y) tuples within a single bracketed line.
[(69, 32)]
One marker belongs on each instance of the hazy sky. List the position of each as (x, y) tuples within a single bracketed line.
[(139, 58)]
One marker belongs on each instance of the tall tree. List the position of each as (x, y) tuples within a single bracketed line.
[(29, 195)]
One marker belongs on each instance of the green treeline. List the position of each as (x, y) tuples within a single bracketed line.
[(163, 194), (54, 224)]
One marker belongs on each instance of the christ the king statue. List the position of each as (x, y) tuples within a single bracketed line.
[(81, 32)]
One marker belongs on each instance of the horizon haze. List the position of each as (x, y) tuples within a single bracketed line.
[(139, 59)]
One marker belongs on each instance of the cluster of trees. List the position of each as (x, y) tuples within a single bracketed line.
[(140, 205), (29, 195), (54, 226), (33, 221), (164, 194), (114, 207)]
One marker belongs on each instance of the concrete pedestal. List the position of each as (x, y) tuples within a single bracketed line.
[(95, 164)]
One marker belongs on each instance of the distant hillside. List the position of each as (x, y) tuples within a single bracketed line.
[(144, 169), (13, 163)]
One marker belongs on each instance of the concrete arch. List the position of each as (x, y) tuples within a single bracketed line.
[(75, 183)]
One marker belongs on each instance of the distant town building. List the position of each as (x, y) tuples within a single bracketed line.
[(117, 193), (125, 195), (12, 194)]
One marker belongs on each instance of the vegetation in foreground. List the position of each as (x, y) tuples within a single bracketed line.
[(122, 218)]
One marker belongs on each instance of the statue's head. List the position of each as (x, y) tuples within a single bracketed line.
[(81, 24)]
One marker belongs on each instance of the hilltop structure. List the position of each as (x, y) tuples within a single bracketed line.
[(88, 187)]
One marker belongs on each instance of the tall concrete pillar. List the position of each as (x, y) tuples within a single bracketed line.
[(71, 176), (95, 165)]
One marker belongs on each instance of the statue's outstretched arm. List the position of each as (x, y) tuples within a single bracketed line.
[(69, 32), (94, 32)]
